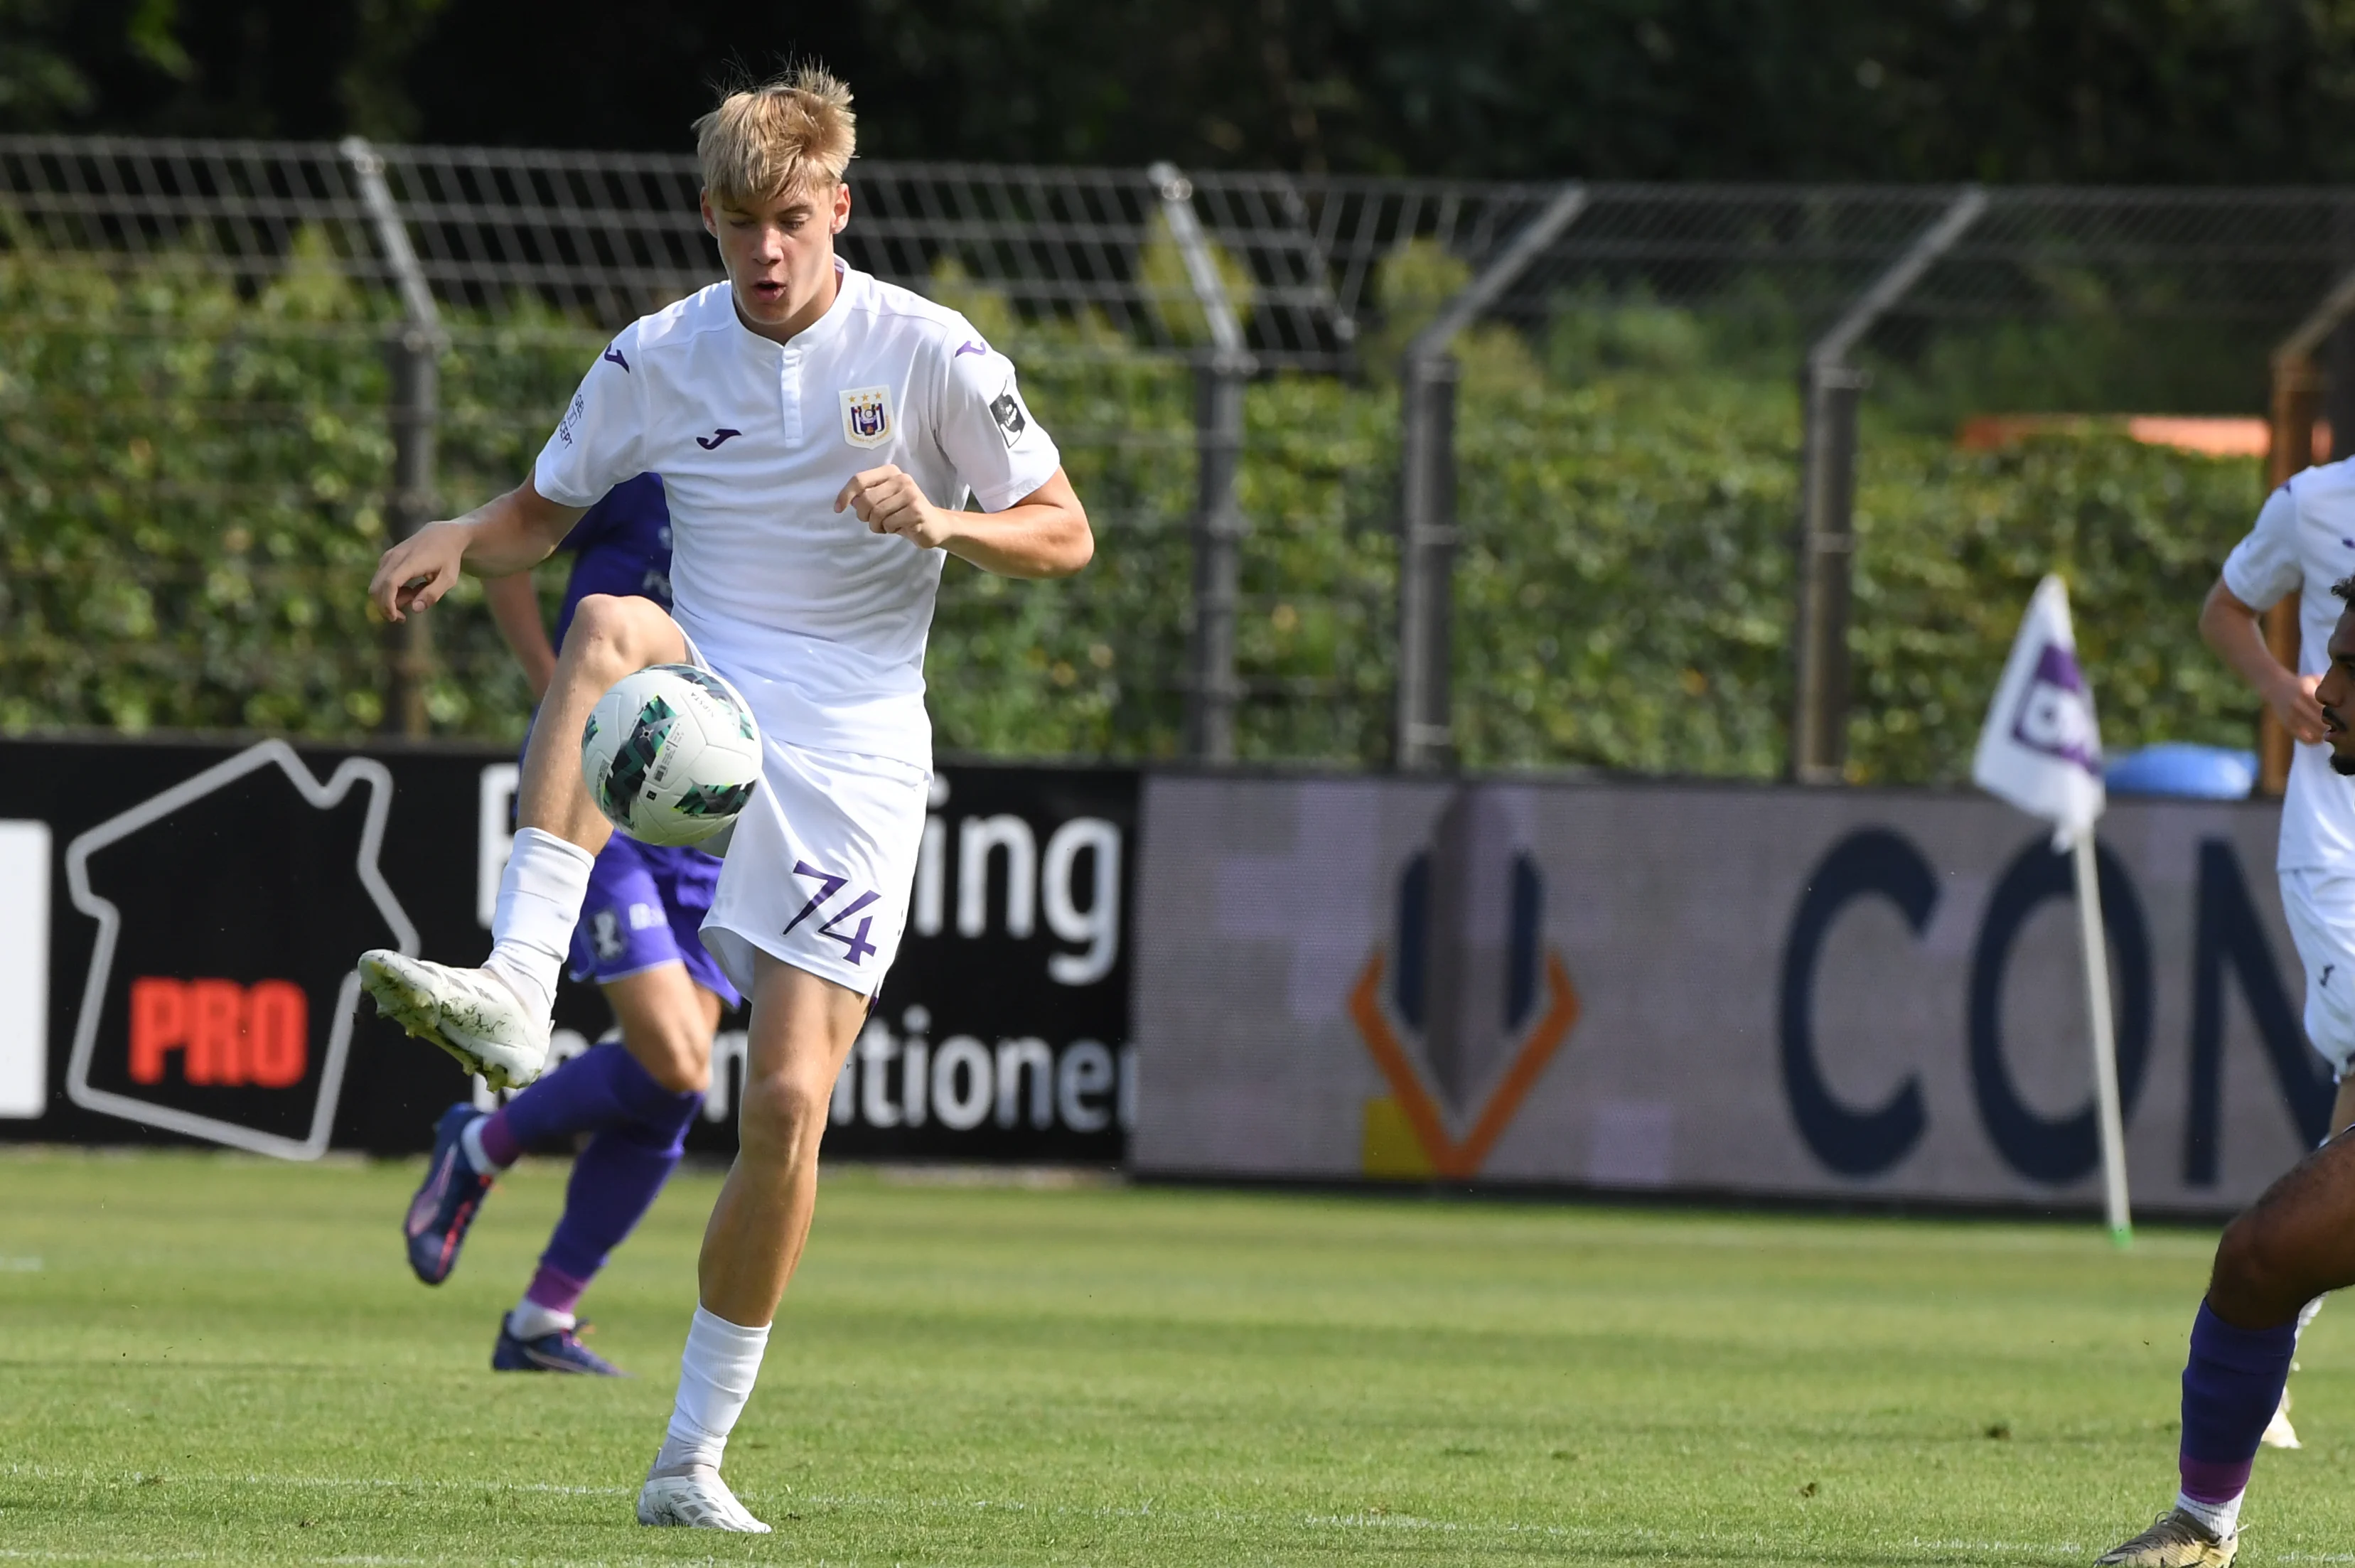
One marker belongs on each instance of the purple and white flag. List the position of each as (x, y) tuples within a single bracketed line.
[(2042, 749)]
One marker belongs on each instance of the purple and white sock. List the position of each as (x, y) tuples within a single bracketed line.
[(547, 1305), (639, 1131), (2232, 1382)]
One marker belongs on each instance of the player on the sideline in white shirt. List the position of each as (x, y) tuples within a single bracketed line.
[(2297, 1242), (2303, 541), (812, 427)]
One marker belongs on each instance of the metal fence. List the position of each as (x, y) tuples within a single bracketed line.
[(236, 368)]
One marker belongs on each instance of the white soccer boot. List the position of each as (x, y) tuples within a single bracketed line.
[(2279, 1433), (470, 1013), (697, 1498)]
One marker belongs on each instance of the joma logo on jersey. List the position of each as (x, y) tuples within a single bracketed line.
[(867, 416)]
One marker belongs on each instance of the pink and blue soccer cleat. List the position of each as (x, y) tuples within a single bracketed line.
[(446, 1204), (561, 1351)]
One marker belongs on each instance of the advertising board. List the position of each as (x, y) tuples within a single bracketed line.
[(1709, 990), (178, 922)]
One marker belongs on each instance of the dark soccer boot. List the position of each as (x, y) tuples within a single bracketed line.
[(561, 1351), (446, 1204)]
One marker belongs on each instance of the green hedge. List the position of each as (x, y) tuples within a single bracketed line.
[(192, 487), (1627, 600), (191, 482)]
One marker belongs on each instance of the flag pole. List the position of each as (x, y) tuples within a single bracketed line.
[(2106, 1055)]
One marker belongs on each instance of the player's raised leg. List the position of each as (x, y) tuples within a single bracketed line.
[(494, 1019), (802, 1029)]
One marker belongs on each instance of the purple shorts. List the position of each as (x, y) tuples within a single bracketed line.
[(645, 906)]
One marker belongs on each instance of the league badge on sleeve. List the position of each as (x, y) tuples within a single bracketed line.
[(1007, 409), (867, 416)]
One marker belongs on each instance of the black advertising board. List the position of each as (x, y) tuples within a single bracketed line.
[(178, 922), (1001, 1033)]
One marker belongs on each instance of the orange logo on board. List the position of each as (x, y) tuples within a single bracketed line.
[(1471, 983)]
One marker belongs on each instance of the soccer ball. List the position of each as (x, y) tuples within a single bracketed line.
[(670, 755)]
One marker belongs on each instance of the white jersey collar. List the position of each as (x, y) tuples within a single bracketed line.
[(817, 334)]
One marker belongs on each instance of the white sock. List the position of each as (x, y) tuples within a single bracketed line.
[(530, 1320), (541, 895), (469, 1143), (715, 1378), (2223, 1519)]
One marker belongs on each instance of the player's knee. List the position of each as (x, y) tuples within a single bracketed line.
[(678, 1066), (610, 633), (675, 1051), (782, 1115), (2258, 1280)]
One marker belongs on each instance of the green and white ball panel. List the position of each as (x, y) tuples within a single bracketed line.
[(670, 755)]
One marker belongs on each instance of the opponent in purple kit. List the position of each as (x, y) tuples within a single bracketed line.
[(638, 939)]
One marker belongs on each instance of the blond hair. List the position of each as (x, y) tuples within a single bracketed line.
[(792, 132)]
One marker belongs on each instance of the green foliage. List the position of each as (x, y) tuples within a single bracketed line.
[(192, 489), (1952, 544), (184, 476), (1083, 666), (1169, 288), (1623, 596), (2093, 360), (192, 484), (40, 84), (1413, 285)]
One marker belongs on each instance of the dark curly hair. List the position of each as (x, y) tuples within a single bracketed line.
[(2345, 589)]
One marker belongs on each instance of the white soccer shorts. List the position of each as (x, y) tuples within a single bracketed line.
[(820, 866), (2321, 909)]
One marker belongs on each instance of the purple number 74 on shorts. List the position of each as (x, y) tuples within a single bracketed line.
[(855, 946)]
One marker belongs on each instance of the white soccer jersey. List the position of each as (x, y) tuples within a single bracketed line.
[(2304, 540), (753, 440)]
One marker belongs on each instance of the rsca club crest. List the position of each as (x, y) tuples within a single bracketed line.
[(2055, 716), (867, 416), (1468, 1007)]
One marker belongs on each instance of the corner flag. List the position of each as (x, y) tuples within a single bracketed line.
[(2042, 750), (2041, 747)]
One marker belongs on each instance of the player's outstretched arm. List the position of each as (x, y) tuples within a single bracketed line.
[(511, 533), (2230, 628), (1045, 533)]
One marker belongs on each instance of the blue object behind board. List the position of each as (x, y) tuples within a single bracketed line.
[(2179, 768)]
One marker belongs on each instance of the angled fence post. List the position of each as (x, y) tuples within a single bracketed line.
[(1212, 689), (1832, 388), (1423, 736), (414, 353)]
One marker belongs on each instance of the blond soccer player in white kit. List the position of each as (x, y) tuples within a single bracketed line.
[(811, 426), (2304, 540)]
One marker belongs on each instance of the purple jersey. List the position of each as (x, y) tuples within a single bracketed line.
[(644, 903), (620, 546)]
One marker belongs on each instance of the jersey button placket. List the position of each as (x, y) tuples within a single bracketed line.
[(788, 396)]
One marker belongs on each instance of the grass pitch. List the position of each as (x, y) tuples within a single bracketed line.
[(211, 1358)]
